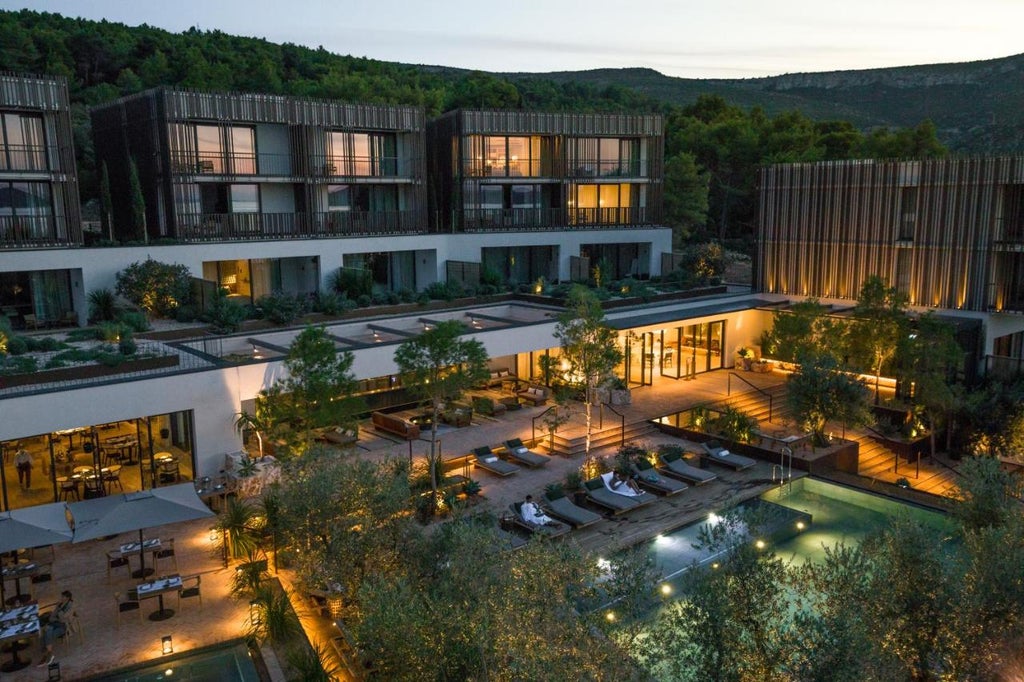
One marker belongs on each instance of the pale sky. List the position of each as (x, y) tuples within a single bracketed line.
[(688, 38)]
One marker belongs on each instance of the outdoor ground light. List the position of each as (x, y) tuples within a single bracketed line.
[(53, 672), (759, 544), (166, 645), (800, 525), (666, 589), (255, 615)]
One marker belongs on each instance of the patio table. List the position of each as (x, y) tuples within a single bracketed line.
[(158, 588), (15, 625), (132, 548), (23, 569)]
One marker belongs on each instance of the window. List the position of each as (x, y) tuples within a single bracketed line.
[(604, 157), (204, 148), (245, 198), (601, 203), (22, 143), (26, 209), (503, 156), (361, 154), (369, 198)]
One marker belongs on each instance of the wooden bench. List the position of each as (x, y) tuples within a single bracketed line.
[(395, 425)]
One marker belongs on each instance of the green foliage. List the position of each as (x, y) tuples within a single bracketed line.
[(136, 230), (686, 197), (127, 346), (803, 328), (818, 393), (317, 391), (158, 288), (879, 327), (735, 425), (132, 321), (352, 282), (330, 303), (278, 623), (444, 291), (282, 308), (102, 305), (19, 365), (17, 345), (224, 315), (439, 367)]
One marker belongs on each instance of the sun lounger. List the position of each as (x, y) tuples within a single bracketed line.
[(521, 454), (674, 465), (561, 507), (552, 531), (714, 452), (599, 493), (649, 479), (488, 461)]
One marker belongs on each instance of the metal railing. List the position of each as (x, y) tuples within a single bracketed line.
[(208, 227), (518, 219), (33, 231), (542, 415), (771, 398), (339, 165), (606, 168), (622, 421), (23, 157)]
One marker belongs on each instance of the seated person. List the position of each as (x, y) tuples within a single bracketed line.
[(532, 514), (623, 484), (55, 625)]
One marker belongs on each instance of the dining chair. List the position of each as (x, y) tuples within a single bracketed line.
[(127, 604), (74, 627), (69, 488), (112, 477), (165, 552), (116, 560), (190, 591)]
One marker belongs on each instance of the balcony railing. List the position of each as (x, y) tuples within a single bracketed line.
[(340, 166), (215, 227), (502, 168), (33, 231), (213, 163), (21, 157), (516, 219), (605, 168)]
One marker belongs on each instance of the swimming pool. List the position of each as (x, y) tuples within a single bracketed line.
[(228, 662)]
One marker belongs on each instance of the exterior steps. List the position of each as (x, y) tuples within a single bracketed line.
[(571, 446)]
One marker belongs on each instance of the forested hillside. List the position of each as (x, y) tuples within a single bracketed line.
[(713, 148)]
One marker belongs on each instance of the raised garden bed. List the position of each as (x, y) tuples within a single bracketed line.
[(81, 372)]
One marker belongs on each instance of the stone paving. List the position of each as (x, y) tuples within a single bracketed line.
[(82, 568)]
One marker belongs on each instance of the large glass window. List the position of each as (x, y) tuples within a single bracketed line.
[(95, 461), (604, 157), (26, 210), (218, 150), (22, 142), (245, 198), (503, 156), (361, 154), (601, 204)]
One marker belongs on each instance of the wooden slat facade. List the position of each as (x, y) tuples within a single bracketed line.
[(936, 229), (447, 150), (47, 97)]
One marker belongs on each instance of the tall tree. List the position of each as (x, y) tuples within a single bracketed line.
[(588, 346), (106, 203), (931, 360), (440, 366), (137, 229), (803, 329), (819, 393), (316, 393), (879, 327)]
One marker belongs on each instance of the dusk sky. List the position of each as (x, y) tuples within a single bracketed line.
[(689, 38)]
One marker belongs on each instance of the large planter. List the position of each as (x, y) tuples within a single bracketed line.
[(82, 372), (620, 396)]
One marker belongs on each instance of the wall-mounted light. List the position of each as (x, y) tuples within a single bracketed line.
[(166, 645)]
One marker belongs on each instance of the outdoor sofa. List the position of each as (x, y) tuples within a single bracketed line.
[(395, 425)]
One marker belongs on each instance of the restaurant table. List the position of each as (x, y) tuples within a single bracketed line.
[(16, 572), (15, 625), (125, 445), (158, 588), (132, 548)]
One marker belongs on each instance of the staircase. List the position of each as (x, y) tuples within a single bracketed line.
[(612, 435)]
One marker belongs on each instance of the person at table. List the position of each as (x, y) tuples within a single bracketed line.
[(54, 624), (23, 463)]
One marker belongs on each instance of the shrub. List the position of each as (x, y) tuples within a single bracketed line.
[(127, 346), (45, 344), (109, 332), (17, 345), (422, 298), (391, 298), (363, 300), (488, 290), (224, 315), (134, 321), (185, 313), (444, 291), (110, 359), (406, 295), (490, 276), (378, 298), (24, 365), (330, 303), (158, 288), (281, 308), (353, 282), (102, 305)]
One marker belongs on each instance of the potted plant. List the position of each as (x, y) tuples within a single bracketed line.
[(573, 484), (618, 392), (747, 356), (471, 488)]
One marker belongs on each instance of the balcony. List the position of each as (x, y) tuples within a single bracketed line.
[(33, 231), (334, 166), (606, 168), (502, 168), (24, 158), (212, 163), (519, 219), (219, 227)]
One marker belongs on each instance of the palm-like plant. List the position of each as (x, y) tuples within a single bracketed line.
[(313, 664), (274, 620), (237, 524)]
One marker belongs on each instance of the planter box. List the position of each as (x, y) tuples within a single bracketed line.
[(87, 371)]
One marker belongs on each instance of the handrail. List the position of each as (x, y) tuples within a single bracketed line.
[(728, 391), (533, 425), (622, 422)]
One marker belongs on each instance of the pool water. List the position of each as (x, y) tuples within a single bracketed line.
[(840, 515), (222, 663)]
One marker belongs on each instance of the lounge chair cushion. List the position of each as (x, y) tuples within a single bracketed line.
[(594, 484), (555, 495), (621, 490)]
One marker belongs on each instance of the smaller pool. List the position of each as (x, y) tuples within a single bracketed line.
[(221, 663)]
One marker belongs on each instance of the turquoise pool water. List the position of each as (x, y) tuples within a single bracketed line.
[(840, 515), (224, 663)]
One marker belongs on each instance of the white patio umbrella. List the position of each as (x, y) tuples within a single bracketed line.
[(124, 512), (44, 524)]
